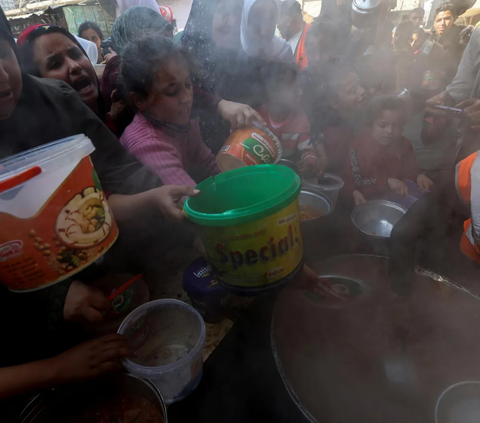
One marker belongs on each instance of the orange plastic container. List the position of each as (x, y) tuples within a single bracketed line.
[(54, 216), (249, 147)]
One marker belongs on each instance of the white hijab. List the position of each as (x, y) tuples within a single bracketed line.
[(276, 50), (90, 48)]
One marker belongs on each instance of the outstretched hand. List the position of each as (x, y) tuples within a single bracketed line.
[(91, 359), (84, 303), (239, 115), (169, 199)]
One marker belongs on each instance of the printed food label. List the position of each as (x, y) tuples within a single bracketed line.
[(259, 253), (53, 227), (252, 146)]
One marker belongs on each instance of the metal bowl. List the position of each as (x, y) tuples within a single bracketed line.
[(318, 202), (459, 403), (57, 404), (378, 217)]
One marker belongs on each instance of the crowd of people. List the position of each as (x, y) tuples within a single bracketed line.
[(338, 98)]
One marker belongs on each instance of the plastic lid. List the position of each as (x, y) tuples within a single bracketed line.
[(243, 195), (19, 168)]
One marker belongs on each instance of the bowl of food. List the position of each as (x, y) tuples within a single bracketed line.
[(377, 218), (459, 403), (121, 398), (313, 206)]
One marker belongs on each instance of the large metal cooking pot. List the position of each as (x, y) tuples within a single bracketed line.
[(55, 404)]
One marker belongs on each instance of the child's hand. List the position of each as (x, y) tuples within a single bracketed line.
[(397, 186), (117, 105), (84, 303), (358, 198), (169, 199), (322, 158), (424, 183), (305, 169), (239, 115), (91, 359)]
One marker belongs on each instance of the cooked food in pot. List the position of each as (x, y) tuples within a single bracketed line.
[(121, 409), (309, 213)]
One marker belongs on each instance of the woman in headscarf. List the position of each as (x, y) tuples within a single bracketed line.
[(257, 32), (50, 51), (34, 112)]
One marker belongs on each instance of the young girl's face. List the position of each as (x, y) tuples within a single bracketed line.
[(320, 51), (173, 97), (351, 94), (286, 96), (388, 127)]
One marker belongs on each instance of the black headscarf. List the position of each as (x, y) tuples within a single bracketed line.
[(25, 46), (216, 64), (5, 31)]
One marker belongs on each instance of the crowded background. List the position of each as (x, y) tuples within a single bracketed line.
[(387, 101)]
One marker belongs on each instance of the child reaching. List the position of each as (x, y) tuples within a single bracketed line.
[(157, 75), (381, 158), (342, 97), (286, 118)]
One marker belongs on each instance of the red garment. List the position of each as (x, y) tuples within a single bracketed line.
[(370, 165), (337, 141), (173, 157), (294, 135), (300, 53)]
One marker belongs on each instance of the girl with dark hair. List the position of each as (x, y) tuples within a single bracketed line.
[(332, 129), (381, 159), (91, 31), (156, 74)]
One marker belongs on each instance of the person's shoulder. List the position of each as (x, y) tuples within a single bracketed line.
[(53, 87), (139, 131)]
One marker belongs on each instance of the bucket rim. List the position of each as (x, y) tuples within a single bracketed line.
[(43, 154), (263, 209)]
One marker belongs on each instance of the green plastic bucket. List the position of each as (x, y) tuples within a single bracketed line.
[(250, 226)]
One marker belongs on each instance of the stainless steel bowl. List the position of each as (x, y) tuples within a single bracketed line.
[(316, 201), (459, 403), (378, 217), (57, 404)]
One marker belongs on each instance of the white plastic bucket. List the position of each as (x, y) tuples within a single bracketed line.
[(54, 216), (329, 184), (168, 337)]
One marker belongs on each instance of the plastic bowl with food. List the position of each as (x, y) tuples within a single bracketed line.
[(377, 218), (313, 206)]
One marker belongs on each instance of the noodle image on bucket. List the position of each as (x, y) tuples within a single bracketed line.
[(54, 215)]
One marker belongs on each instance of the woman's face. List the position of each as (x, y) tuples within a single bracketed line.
[(173, 97), (262, 21), (388, 127), (10, 80), (226, 24), (91, 35), (351, 93), (60, 58)]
